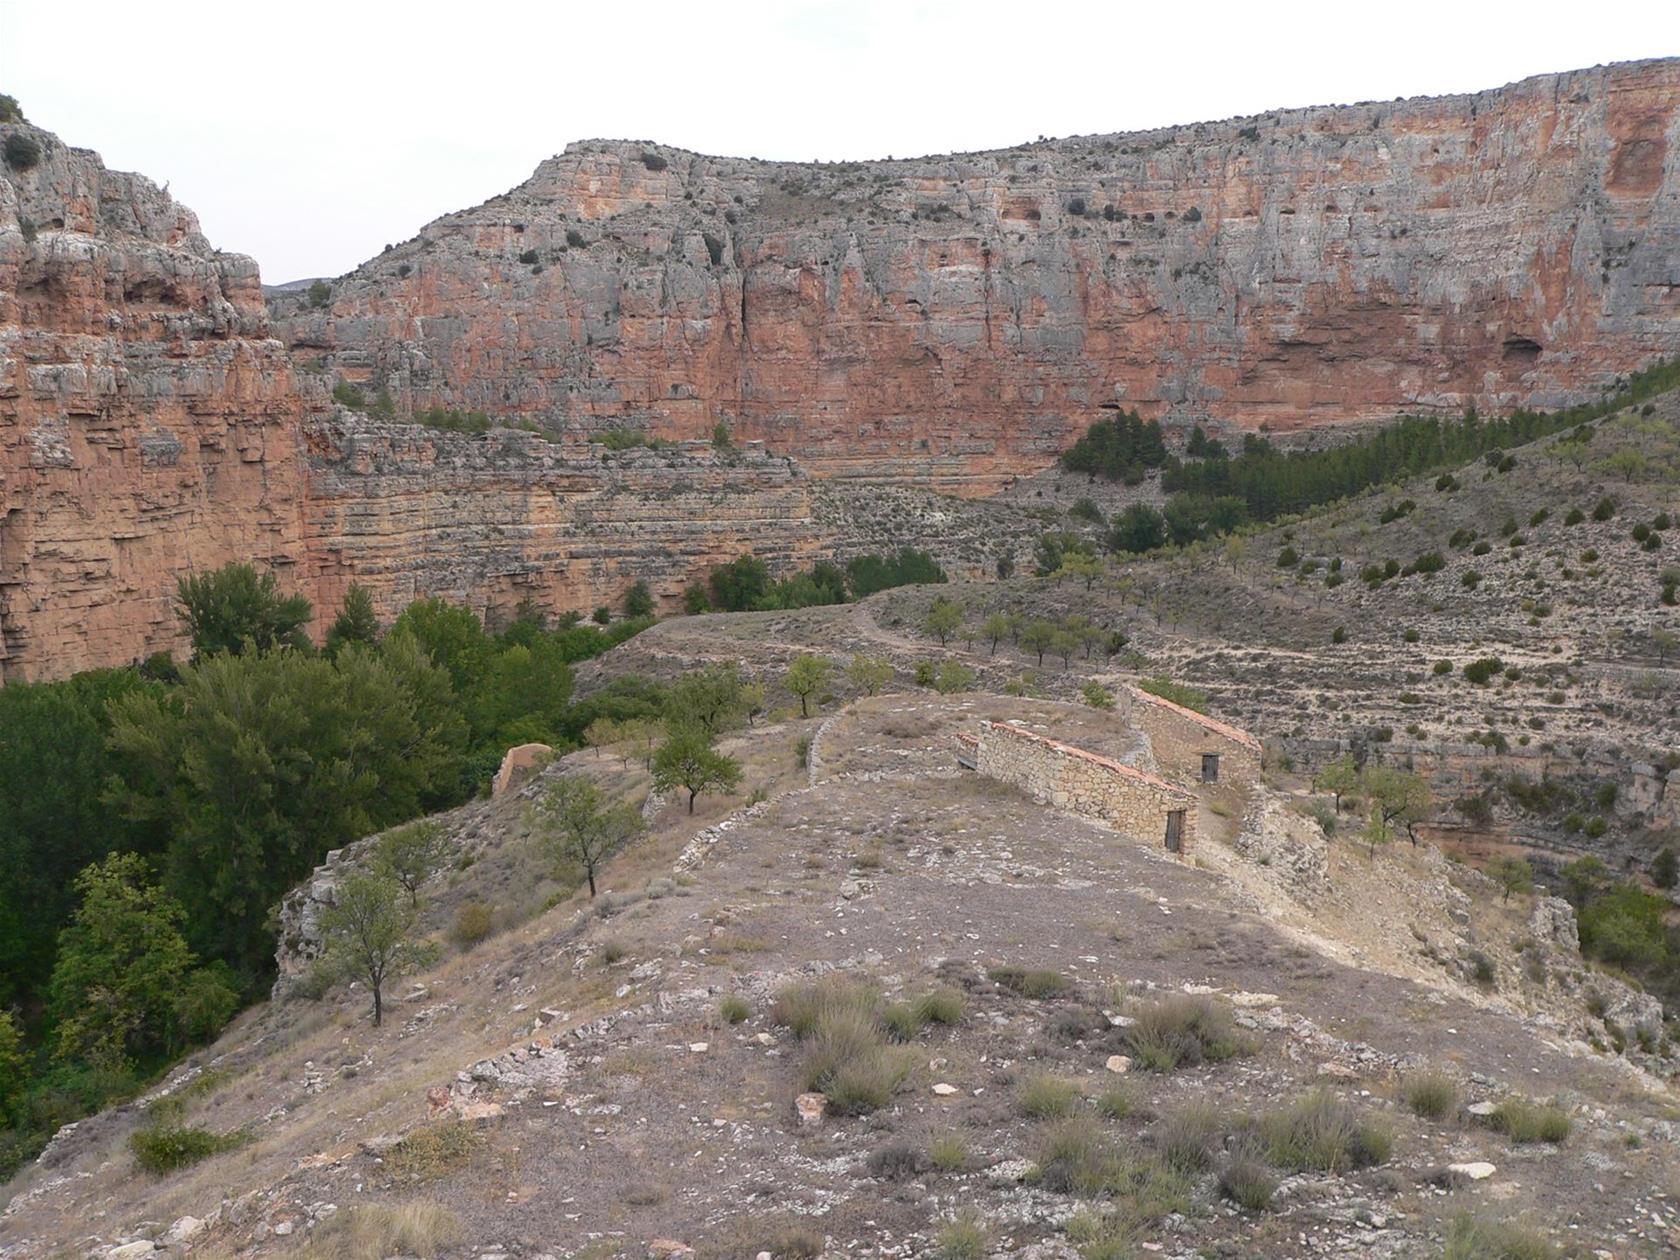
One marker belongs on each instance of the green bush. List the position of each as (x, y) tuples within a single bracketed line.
[(1482, 670), (22, 152), (166, 1148), (1178, 693), (1189, 1139), (474, 921), (1605, 509), (948, 1153), (1247, 1182)]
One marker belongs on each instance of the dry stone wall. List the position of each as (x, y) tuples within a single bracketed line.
[(1084, 783), (1181, 738)]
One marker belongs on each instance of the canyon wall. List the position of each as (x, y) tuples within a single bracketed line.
[(957, 320), (149, 423)]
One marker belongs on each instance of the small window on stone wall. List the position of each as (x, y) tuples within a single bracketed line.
[(1210, 767)]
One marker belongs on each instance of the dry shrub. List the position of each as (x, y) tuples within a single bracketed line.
[(372, 1231)]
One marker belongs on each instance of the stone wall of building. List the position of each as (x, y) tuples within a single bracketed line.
[(1083, 783), (1181, 737)]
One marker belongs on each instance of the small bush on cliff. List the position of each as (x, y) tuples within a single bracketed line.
[(653, 161), (10, 112), (22, 152), (319, 295)]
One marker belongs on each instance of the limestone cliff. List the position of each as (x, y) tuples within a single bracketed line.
[(149, 422), (958, 319)]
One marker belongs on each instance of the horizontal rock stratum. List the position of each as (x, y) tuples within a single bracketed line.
[(949, 322), (962, 318)]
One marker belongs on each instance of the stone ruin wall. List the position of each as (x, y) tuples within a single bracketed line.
[(1179, 737), (1083, 783)]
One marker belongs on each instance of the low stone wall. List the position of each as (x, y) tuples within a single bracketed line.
[(1083, 783), (1181, 737)]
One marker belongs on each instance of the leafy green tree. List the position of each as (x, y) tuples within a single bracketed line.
[(14, 1066), (356, 621), (233, 608), (1512, 874), (870, 674), (1627, 463), (1098, 696), (1138, 529), (1624, 925), (367, 934), (1038, 637), (740, 584), (1075, 565), (522, 696), (121, 964), (943, 619), (952, 676), (867, 574), (1063, 642), (1118, 448), (580, 828), (452, 636), (1340, 778), (411, 854), (1054, 548), (1399, 796), (711, 698), (808, 677), (639, 601), (1584, 879), (688, 760), (54, 765), (994, 630), (256, 766)]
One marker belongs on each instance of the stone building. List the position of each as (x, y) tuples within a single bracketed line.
[(1192, 748), (1129, 800)]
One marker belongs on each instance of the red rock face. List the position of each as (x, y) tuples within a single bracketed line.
[(149, 424), (959, 320)]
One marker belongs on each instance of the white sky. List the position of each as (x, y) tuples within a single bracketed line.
[(311, 134)]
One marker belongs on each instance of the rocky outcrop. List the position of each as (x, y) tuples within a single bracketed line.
[(149, 422), (959, 319)]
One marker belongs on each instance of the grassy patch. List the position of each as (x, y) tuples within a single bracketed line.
[(371, 1231), (1190, 1138), (846, 1052), (1246, 1181), (1524, 1120), (432, 1151), (1031, 983), (1431, 1095), (1471, 1238), (948, 1153), (1325, 1134), (965, 1238), (1117, 1102), (734, 1009), (1047, 1097), (1183, 1031)]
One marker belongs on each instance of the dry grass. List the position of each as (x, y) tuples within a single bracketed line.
[(1471, 1238), (1322, 1133), (1524, 1120), (1047, 1097), (372, 1231), (432, 1151), (1431, 1095), (1183, 1031)]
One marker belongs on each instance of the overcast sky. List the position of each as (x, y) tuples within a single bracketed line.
[(311, 134)]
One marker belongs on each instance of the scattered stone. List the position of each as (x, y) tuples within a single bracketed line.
[(944, 1090), (481, 1112), (438, 1099), (1338, 1071), (669, 1249), (1482, 1108), (699, 1047), (1476, 1170), (1118, 1063), (132, 1251), (184, 1229), (809, 1109), (379, 1144)]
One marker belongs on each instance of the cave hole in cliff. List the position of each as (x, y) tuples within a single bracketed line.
[(1521, 351)]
